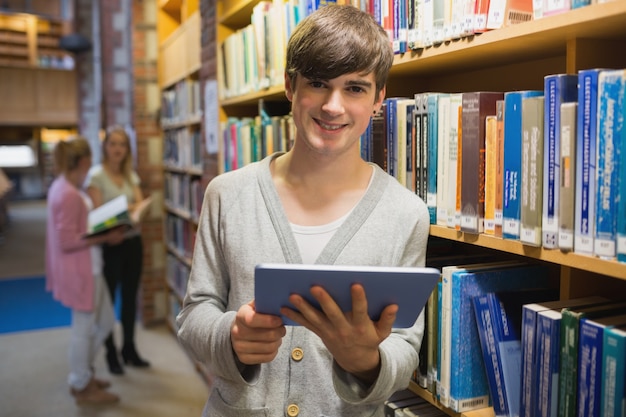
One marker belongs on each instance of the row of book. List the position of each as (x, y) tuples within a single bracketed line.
[(181, 102), (539, 166), (184, 194), (553, 358), (250, 139), (496, 332), (253, 57), (182, 148)]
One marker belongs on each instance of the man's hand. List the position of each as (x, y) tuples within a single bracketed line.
[(256, 337), (352, 337)]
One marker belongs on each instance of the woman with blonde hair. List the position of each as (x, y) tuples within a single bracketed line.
[(74, 269), (122, 262)]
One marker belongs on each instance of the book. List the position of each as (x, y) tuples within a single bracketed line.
[(558, 88), (443, 158), (452, 172), (611, 86), (567, 189), (614, 372), (548, 350), (108, 216), (432, 160), (476, 107), (499, 174), (498, 317), (568, 369), (512, 164), (468, 384), (504, 13), (532, 172), (445, 322), (590, 351), (399, 400), (586, 141), (529, 376), (490, 174)]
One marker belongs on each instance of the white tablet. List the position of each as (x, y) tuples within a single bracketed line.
[(409, 288)]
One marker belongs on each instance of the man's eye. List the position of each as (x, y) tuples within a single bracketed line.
[(316, 84), (356, 89)]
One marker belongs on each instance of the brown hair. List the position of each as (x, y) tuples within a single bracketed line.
[(127, 163), (68, 153), (337, 40)]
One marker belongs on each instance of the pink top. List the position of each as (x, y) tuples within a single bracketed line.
[(69, 274)]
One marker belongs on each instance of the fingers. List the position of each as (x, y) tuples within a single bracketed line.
[(256, 338)]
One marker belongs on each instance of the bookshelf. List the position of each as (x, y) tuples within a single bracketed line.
[(507, 59), (37, 74), (181, 118)]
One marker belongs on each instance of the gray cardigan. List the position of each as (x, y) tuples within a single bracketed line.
[(243, 224)]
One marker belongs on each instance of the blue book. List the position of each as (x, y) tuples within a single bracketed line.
[(611, 86), (432, 140), (580, 3), (558, 89), (529, 375), (586, 140), (590, 354), (468, 383), (392, 153), (485, 322), (548, 350), (512, 169), (621, 207), (614, 372), (499, 321)]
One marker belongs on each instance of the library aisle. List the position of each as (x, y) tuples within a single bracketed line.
[(33, 365)]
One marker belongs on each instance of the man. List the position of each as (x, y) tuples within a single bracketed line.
[(318, 203)]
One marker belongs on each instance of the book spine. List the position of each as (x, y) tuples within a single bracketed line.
[(432, 339), (586, 138), (512, 162), (490, 174), (532, 172), (568, 176), (558, 88), (569, 358), (454, 155), (589, 368), (392, 151), (529, 359), (433, 149), (486, 325), (418, 144), (610, 121), (614, 373), (424, 150), (548, 349), (443, 157), (499, 186)]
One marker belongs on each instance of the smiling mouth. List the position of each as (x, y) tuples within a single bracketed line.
[(329, 126)]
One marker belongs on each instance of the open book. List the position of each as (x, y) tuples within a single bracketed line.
[(115, 213)]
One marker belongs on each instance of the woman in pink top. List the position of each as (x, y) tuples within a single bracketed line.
[(73, 269)]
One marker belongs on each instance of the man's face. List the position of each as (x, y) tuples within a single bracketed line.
[(331, 115)]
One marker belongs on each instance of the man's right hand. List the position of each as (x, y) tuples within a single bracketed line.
[(256, 337)]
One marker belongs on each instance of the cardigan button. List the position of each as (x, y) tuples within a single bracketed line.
[(293, 410), (297, 354)]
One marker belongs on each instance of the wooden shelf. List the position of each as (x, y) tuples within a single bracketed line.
[(428, 396), (523, 42), (582, 262)]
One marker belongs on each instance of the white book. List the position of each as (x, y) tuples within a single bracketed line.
[(453, 216), (443, 149)]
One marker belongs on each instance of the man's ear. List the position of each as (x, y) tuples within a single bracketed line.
[(288, 87), (379, 99)]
